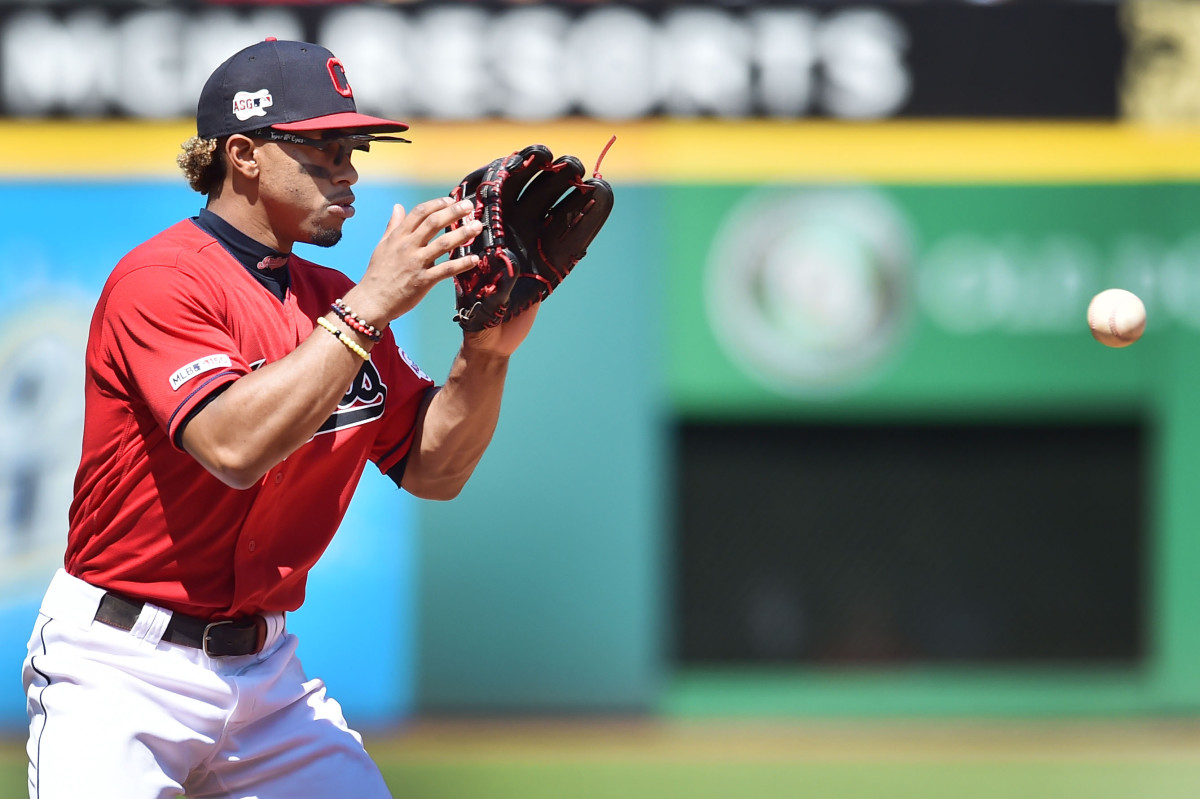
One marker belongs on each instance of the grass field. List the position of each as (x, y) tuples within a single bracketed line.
[(762, 760)]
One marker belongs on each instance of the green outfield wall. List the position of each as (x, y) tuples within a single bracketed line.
[(959, 296)]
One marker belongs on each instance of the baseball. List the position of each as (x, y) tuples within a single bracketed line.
[(1116, 317)]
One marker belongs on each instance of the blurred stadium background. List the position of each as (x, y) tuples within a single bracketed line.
[(811, 481)]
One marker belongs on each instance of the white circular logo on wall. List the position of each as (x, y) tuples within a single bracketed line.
[(808, 289), (41, 431)]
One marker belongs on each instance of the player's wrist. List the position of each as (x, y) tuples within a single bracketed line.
[(360, 305), (352, 320), (486, 344)]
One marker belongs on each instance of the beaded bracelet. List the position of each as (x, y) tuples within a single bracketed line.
[(354, 321), (353, 346)]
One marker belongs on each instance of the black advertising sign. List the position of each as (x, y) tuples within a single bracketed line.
[(1037, 60), (613, 61)]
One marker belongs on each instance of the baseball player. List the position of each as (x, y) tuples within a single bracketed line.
[(234, 395)]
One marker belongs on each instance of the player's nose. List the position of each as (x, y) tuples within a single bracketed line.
[(344, 171)]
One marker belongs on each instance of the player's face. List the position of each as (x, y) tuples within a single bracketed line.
[(305, 188)]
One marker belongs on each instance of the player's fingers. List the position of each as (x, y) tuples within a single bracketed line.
[(438, 243), (458, 237), (452, 267), (463, 211), (433, 216), (397, 219), (458, 262)]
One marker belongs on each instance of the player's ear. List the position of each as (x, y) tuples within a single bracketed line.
[(241, 155)]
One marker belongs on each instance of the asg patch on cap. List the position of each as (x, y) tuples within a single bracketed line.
[(247, 105)]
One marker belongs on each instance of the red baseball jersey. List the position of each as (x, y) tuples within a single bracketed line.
[(179, 319)]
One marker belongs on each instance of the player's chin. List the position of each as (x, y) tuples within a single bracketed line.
[(326, 236)]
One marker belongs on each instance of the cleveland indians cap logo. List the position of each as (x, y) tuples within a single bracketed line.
[(337, 73)]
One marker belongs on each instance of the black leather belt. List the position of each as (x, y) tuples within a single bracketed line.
[(244, 636)]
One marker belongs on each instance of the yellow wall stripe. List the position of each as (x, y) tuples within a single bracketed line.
[(677, 151)]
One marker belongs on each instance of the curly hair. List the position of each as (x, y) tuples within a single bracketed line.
[(203, 164)]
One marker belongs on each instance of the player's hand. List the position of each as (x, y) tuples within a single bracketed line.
[(504, 338), (403, 267)]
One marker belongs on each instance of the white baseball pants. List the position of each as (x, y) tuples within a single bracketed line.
[(123, 715)]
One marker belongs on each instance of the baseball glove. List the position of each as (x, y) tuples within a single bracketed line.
[(539, 215)]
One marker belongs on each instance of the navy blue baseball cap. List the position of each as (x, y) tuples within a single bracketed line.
[(285, 85)]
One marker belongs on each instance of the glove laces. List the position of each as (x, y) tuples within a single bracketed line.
[(596, 172)]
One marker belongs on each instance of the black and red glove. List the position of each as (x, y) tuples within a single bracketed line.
[(539, 215)]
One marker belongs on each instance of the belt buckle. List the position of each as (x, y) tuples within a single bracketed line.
[(208, 635)]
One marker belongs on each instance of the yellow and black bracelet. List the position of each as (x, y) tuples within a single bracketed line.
[(352, 345)]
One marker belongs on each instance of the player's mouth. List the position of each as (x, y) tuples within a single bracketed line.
[(343, 207)]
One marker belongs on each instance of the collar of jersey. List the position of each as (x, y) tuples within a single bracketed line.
[(248, 252)]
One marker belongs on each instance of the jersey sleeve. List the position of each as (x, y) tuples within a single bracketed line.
[(165, 344), (407, 390)]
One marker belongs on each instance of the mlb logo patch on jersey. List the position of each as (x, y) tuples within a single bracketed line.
[(199, 367), (252, 104)]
